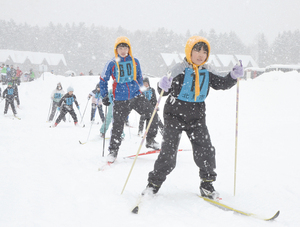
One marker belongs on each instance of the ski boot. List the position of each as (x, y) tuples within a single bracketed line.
[(207, 190), (151, 143)]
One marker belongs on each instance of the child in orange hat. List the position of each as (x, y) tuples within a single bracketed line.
[(125, 70), (187, 86)]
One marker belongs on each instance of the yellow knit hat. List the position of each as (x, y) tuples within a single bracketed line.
[(188, 53), (124, 39)]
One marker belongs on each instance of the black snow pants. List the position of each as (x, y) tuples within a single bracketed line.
[(11, 103), (121, 110), (93, 112), (66, 109), (142, 124), (203, 151), (53, 111)]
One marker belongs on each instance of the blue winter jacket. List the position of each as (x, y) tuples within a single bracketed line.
[(122, 90)]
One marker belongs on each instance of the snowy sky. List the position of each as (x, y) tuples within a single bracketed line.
[(246, 17)]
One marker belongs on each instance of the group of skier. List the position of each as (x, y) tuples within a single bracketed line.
[(62, 103), (187, 85), (10, 74), (11, 77)]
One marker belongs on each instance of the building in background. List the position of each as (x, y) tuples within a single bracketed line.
[(27, 60)]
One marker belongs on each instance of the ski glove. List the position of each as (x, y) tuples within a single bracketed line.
[(237, 71), (106, 101), (58, 108), (165, 83)]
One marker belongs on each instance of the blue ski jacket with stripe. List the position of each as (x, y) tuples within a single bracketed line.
[(124, 88)]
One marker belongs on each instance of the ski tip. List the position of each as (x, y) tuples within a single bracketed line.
[(82, 142), (275, 216), (135, 210)]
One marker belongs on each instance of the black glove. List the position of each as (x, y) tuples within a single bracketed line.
[(106, 101)]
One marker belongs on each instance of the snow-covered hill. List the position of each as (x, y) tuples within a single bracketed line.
[(48, 179)]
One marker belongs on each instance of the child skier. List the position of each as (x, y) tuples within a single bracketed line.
[(96, 103), (127, 76), (67, 106), (187, 87), (149, 94), (9, 94), (56, 96)]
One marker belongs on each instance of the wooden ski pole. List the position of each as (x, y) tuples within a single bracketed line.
[(236, 131), (145, 134)]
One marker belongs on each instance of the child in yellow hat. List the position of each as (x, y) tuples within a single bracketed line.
[(188, 85), (125, 70)]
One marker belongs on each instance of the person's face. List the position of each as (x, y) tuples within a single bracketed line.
[(123, 51), (198, 57), (70, 92), (146, 84)]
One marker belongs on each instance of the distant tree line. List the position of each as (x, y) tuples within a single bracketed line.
[(90, 47)]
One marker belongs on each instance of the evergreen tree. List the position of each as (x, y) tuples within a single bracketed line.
[(263, 51)]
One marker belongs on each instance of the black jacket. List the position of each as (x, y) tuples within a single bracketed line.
[(189, 113), (67, 101), (150, 92), (10, 93)]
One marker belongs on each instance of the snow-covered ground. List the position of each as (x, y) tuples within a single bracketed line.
[(48, 179)]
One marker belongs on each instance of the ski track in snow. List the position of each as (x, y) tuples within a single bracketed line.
[(49, 179)]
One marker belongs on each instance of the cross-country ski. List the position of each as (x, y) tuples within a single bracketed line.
[(218, 204)]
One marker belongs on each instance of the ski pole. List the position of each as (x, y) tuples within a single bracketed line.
[(55, 116), (84, 110), (145, 134), (80, 114), (90, 129), (236, 131), (87, 139), (236, 128), (104, 130), (49, 111)]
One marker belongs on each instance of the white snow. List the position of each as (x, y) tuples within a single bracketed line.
[(48, 179)]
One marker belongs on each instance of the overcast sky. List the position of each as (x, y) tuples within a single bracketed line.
[(246, 18)]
